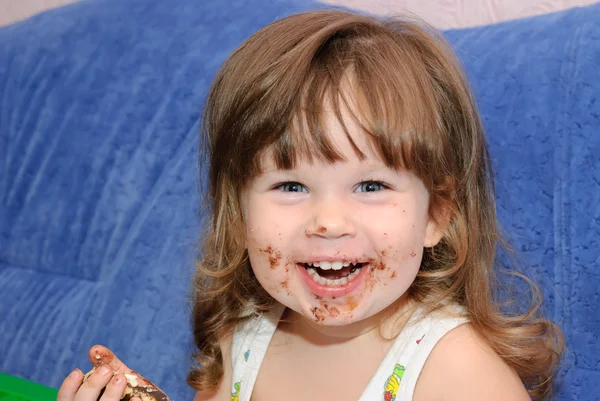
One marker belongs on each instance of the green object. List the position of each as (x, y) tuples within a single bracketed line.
[(16, 389)]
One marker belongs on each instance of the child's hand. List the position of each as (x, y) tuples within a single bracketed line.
[(109, 374)]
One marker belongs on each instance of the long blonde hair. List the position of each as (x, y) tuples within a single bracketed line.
[(419, 111)]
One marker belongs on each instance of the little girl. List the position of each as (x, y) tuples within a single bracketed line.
[(351, 250)]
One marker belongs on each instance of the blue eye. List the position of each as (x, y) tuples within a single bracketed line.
[(371, 186), (291, 187)]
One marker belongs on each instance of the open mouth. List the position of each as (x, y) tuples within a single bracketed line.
[(333, 274)]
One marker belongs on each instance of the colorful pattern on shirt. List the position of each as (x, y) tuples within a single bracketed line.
[(393, 383), (235, 395)]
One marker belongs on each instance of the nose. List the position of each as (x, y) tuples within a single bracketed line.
[(331, 219)]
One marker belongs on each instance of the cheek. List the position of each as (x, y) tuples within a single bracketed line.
[(400, 252), (265, 242), (267, 238), (401, 242), (269, 262), (266, 257), (392, 277), (269, 257), (263, 226)]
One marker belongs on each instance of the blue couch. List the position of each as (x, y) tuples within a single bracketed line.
[(99, 190)]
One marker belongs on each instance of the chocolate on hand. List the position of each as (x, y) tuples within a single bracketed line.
[(138, 386)]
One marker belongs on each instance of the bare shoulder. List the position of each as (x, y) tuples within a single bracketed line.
[(462, 366), (221, 393)]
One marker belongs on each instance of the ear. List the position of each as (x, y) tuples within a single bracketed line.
[(439, 219), (440, 212), (434, 231)]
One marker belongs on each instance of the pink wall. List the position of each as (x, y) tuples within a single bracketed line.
[(462, 13), (15, 10)]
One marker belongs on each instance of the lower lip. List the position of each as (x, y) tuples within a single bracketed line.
[(325, 291)]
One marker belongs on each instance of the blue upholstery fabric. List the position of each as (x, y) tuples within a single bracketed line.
[(99, 111)]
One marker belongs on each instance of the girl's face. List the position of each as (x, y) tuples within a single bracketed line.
[(337, 243)]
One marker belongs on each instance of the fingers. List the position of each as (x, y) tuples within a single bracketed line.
[(69, 386), (74, 388), (100, 355), (106, 383), (90, 390), (115, 388)]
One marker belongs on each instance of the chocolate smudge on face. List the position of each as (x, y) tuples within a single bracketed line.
[(317, 313), (285, 287), (321, 230), (372, 279), (351, 302), (332, 310), (370, 283), (274, 256), (413, 254), (393, 275), (378, 265), (324, 308)]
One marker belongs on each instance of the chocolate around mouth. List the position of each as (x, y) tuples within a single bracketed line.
[(137, 386)]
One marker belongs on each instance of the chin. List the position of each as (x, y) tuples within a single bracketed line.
[(327, 312)]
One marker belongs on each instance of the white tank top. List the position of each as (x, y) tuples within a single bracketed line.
[(394, 380)]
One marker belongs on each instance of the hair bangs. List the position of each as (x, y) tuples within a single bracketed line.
[(382, 89), (308, 136)]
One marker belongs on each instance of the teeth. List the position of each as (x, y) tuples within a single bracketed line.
[(325, 265), (329, 282), (337, 265)]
